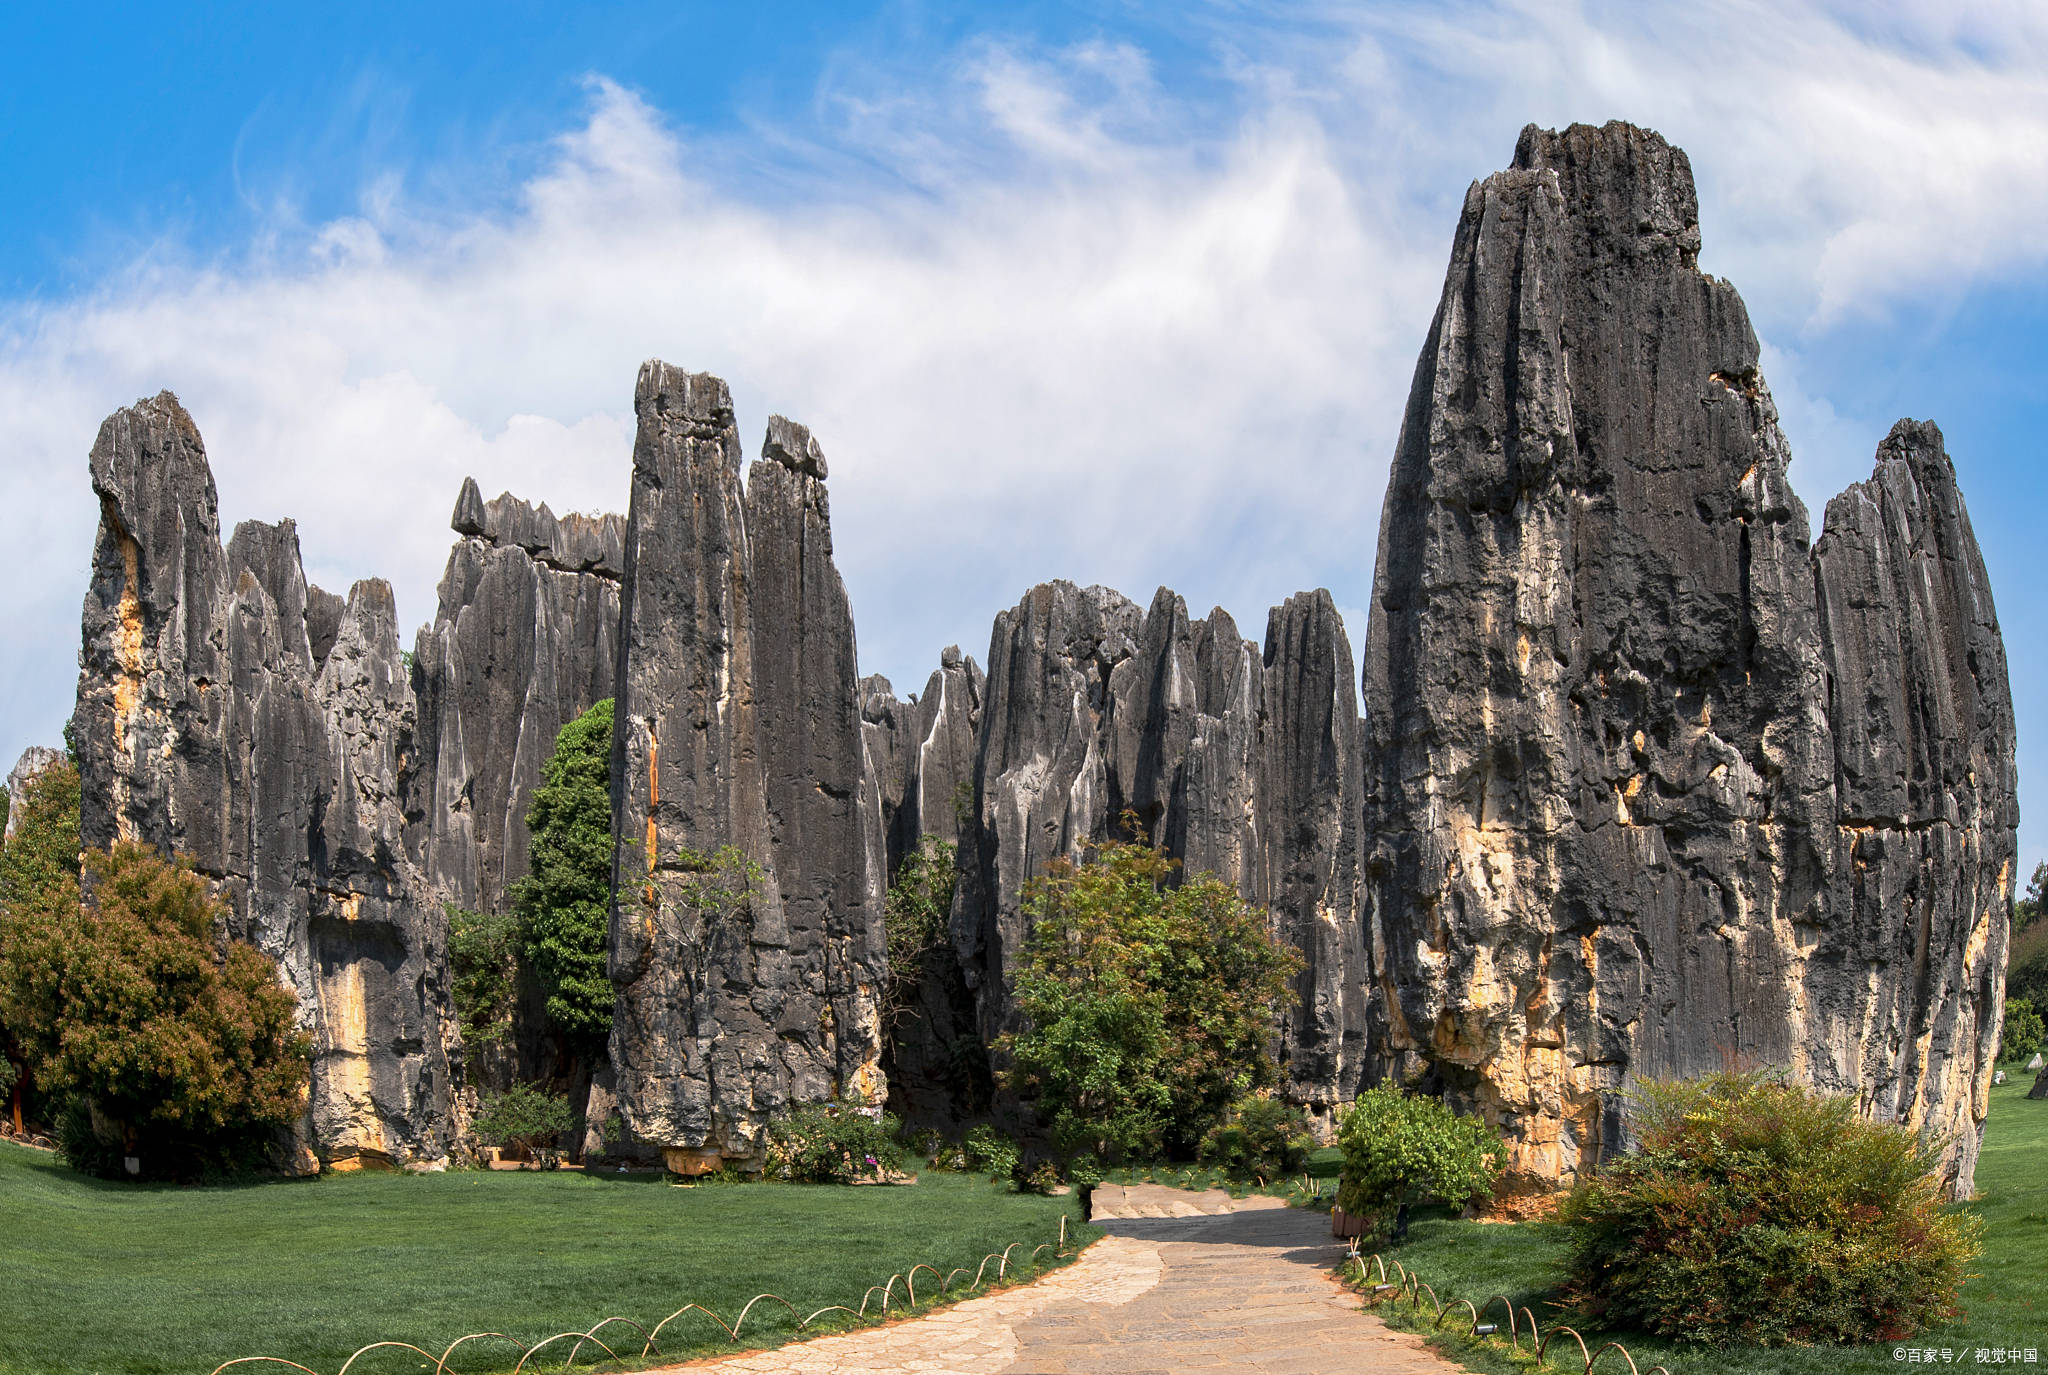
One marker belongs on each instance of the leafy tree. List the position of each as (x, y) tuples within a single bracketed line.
[(38, 866), (2023, 1031), (525, 1117), (914, 917), (1262, 1136), (185, 1051), (564, 902), (483, 960), (1148, 1008), (1401, 1150)]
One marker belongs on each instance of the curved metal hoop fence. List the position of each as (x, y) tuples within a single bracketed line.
[(650, 1346), (1409, 1287)]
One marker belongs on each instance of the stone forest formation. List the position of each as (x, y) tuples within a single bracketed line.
[(1646, 781)]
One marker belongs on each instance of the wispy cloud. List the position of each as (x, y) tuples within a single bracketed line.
[(1048, 315)]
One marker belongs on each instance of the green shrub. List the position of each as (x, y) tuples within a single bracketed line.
[(1401, 1150), (1084, 1172), (991, 1153), (833, 1143), (2023, 1031), (1041, 1178), (524, 1117), (1756, 1211), (1263, 1136)]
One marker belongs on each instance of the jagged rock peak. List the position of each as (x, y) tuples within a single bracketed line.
[(1627, 733), (34, 761), (794, 447), (207, 726), (1628, 186), (575, 543)]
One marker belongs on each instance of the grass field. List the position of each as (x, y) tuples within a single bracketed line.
[(111, 1279), (2005, 1302)]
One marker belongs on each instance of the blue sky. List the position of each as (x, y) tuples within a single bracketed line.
[(1114, 292)]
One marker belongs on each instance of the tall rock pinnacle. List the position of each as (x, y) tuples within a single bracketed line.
[(231, 714), (729, 648), (1602, 771)]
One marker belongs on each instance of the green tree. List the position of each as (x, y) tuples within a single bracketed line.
[(184, 1051), (914, 919), (2023, 1031), (525, 1117), (37, 867), (1149, 1008), (564, 902), (1401, 1150), (483, 962)]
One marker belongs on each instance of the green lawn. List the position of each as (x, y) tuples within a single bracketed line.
[(111, 1279), (2005, 1303)]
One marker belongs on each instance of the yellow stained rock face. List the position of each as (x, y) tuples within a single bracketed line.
[(343, 1065)]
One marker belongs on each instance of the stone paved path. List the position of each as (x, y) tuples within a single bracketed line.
[(1247, 1289)]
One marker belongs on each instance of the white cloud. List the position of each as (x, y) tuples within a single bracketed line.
[(1048, 316)]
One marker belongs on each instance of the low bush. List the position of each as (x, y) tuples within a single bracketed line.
[(1756, 1211), (1401, 1150), (991, 1153), (524, 1117), (833, 1143), (1262, 1136)]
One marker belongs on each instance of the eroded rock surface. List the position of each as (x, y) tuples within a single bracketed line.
[(206, 725), (1906, 981), (1239, 763), (525, 640), (1601, 792), (730, 1011), (34, 760)]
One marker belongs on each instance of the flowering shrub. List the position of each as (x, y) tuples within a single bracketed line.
[(833, 1143)]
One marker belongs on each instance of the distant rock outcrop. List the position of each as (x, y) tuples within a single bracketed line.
[(730, 1012), (207, 725), (1241, 764), (1602, 797), (34, 760), (525, 640)]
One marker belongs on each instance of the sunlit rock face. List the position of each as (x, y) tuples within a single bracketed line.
[(1606, 706), (1909, 981), (1237, 762), (737, 724), (258, 727)]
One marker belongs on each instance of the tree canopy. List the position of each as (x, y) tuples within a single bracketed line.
[(1149, 1008), (186, 1051), (564, 903)]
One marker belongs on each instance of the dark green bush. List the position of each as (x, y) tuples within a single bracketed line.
[(1401, 1150), (1263, 1136), (2023, 1031), (1084, 1172), (1756, 1211), (991, 1153), (833, 1143)]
